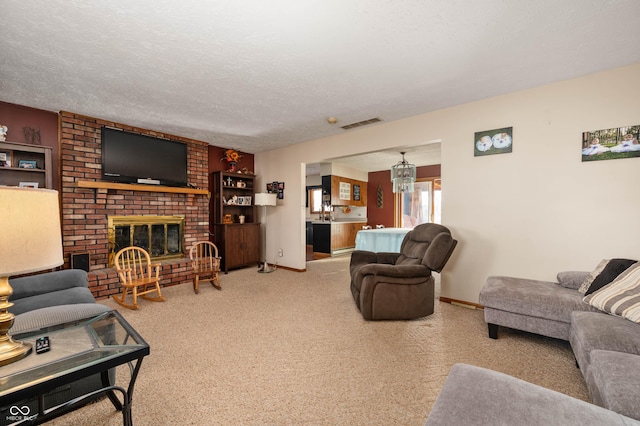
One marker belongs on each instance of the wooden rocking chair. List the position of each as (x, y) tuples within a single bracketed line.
[(205, 263), (138, 276)]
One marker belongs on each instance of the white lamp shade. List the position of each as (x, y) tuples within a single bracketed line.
[(30, 236), (265, 199)]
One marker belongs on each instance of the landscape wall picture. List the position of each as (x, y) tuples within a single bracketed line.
[(611, 144)]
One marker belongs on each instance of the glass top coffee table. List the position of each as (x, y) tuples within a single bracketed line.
[(78, 349)]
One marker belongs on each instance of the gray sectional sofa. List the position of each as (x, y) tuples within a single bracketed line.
[(49, 299), (477, 396), (606, 347)]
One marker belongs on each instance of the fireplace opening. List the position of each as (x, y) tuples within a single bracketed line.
[(161, 236)]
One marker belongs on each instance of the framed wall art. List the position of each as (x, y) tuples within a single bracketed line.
[(28, 184), (276, 188), (496, 141), (611, 144)]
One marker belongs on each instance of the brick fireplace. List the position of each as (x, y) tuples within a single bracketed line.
[(86, 211)]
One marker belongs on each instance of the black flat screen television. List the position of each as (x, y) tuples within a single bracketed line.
[(133, 158)]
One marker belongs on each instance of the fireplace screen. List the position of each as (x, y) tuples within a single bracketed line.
[(161, 236)]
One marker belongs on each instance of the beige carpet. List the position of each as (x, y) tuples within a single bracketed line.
[(291, 348)]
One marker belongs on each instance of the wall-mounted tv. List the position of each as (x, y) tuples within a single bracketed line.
[(133, 158)]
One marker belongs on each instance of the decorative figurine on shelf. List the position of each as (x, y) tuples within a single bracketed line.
[(232, 157), (229, 181), (3, 132)]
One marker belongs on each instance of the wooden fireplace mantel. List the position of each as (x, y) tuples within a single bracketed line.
[(137, 187)]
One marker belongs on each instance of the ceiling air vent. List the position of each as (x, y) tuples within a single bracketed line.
[(361, 123)]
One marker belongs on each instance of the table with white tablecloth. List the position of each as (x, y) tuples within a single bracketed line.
[(381, 240)]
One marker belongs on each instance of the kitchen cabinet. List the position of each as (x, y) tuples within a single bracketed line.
[(343, 234), (29, 164), (330, 237), (348, 192)]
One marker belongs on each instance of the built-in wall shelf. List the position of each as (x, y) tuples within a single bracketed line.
[(137, 187)]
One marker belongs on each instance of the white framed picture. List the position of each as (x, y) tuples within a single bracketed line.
[(345, 191), (28, 184)]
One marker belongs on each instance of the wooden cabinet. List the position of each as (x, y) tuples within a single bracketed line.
[(331, 237), (343, 234), (233, 197), (26, 164), (348, 192), (238, 244)]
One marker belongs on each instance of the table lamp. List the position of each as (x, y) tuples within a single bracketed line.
[(30, 241), (265, 199)]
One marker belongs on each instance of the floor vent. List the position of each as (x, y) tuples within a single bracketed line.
[(361, 123)]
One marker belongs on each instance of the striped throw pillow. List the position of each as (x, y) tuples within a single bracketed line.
[(621, 297)]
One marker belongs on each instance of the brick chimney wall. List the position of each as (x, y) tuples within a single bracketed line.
[(85, 211)]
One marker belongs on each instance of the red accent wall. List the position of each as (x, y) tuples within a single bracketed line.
[(18, 117), (215, 165), (385, 215)]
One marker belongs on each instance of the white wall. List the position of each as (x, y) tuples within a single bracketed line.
[(341, 170), (529, 213)]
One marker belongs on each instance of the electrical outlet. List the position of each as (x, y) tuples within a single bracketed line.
[(280, 253)]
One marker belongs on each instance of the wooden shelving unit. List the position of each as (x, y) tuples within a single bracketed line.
[(34, 159), (234, 196)]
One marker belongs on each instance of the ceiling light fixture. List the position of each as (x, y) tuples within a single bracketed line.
[(332, 120), (403, 176)]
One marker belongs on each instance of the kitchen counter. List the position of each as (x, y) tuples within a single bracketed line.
[(341, 220), (329, 237)]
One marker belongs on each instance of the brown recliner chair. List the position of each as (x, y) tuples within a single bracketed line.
[(399, 286)]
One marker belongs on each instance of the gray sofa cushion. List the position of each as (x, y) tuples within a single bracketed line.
[(542, 299), (54, 315), (613, 379), (542, 326), (62, 297), (572, 279), (47, 283), (64, 287), (591, 330), (477, 396)]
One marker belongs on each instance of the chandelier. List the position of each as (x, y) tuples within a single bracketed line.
[(403, 175)]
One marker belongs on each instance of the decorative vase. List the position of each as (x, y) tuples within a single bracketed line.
[(232, 166)]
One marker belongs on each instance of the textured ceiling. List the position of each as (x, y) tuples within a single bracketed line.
[(256, 75)]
